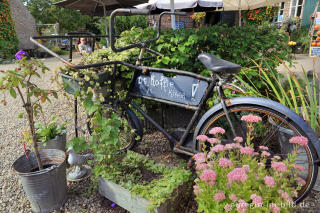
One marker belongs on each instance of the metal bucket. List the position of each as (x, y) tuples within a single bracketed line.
[(45, 189), (59, 142)]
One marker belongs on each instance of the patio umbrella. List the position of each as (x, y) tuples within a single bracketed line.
[(180, 4), (98, 7), (234, 5)]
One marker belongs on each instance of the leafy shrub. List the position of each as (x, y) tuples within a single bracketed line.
[(58, 50), (8, 37), (301, 36)]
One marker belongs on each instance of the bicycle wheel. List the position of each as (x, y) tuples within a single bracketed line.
[(130, 130), (275, 132)]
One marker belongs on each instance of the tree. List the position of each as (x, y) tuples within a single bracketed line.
[(45, 12)]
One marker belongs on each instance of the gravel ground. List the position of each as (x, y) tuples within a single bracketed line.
[(81, 198)]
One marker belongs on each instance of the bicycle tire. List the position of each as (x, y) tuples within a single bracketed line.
[(235, 112), (134, 125)]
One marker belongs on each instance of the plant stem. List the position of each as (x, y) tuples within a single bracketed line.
[(29, 110)]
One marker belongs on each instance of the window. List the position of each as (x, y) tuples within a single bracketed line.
[(296, 8), (280, 12)]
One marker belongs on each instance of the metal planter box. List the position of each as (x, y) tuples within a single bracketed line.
[(136, 204)]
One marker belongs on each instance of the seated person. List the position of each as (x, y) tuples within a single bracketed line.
[(84, 47)]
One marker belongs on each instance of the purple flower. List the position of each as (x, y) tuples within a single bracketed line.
[(19, 55), (113, 205)]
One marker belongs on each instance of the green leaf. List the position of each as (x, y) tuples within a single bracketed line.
[(13, 93)]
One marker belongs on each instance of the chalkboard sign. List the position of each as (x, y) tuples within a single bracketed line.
[(314, 51), (180, 89)]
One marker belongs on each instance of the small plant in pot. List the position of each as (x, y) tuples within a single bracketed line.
[(51, 135), (42, 168)]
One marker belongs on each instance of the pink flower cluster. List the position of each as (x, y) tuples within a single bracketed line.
[(217, 130), (285, 195), (208, 176), (200, 158), (251, 118), (217, 148), (301, 181), (279, 166), (202, 138), (233, 197), (228, 207), (232, 146), (269, 181), (263, 148), (242, 206), (256, 200), (196, 189), (302, 141), (219, 196), (238, 139), (224, 162), (237, 174), (265, 154), (299, 167), (275, 208), (213, 141), (246, 168), (247, 150), (201, 166)]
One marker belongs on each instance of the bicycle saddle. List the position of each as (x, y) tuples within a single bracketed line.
[(215, 64)]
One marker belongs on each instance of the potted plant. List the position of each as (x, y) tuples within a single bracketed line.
[(42, 172), (51, 135)]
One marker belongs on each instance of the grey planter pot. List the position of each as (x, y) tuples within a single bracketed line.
[(45, 189), (59, 142), (136, 204)]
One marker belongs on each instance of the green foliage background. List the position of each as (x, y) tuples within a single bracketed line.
[(8, 37)]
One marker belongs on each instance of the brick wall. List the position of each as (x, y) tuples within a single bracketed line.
[(166, 21)]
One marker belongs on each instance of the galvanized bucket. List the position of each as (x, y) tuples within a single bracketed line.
[(45, 189), (59, 142)]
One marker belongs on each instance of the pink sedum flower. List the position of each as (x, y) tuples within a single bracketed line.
[(251, 118), (202, 138), (299, 167), (224, 162), (208, 176), (274, 208), (237, 174), (200, 158), (269, 181), (217, 148), (246, 168), (247, 150), (233, 197), (201, 166), (279, 166), (265, 154), (196, 189), (219, 196), (242, 206), (301, 182), (302, 141), (256, 200), (261, 164), (238, 139), (263, 148), (217, 130), (213, 141), (228, 207), (286, 197)]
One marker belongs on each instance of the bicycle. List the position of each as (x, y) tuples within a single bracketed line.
[(191, 91)]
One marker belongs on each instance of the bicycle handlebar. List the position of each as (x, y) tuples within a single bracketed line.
[(135, 12)]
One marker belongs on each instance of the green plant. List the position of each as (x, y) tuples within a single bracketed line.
[(19, 83), (8, 37), (58, 50), (239, 176), (300, 95), (46, 132), (129, 172), (301, 36)]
